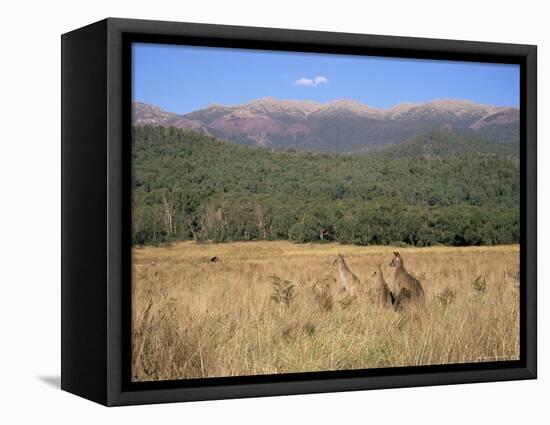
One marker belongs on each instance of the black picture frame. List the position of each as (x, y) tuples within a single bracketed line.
[(96, 256)]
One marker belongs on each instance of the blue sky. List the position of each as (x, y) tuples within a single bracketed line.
[(182, 79)]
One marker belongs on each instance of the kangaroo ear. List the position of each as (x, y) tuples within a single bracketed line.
[(395, 253)]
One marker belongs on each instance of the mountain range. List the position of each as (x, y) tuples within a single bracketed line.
[(343, 125)]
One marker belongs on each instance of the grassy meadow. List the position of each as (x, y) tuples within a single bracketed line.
[(275, 307)]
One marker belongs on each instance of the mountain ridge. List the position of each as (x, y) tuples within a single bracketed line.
[(339, 125)]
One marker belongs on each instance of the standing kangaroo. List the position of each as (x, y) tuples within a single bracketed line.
[(408, 286), (384, 297), (349, 281)]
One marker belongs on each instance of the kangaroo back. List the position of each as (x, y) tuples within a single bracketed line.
[(409, 287), (384, 296), (349, 281)]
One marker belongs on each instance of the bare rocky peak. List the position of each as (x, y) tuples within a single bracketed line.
[(496, 117), (460, 107), (349, 105), (272, 105), (145, 114), (447, 107)]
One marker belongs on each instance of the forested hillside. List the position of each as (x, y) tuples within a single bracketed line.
[(437, 189), (444, 143)]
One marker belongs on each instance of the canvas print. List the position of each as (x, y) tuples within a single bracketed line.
[(303, 212)]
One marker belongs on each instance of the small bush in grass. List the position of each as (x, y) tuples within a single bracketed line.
[(480, 285), (309, 329), (322, 295), (446, 297), (283, 291), (346, 301)]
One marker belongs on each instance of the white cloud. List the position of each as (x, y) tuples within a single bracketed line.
[(320, 80), (311, 82), (308, 82)]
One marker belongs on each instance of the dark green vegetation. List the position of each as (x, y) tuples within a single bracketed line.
[(445, 144), (436, 189)]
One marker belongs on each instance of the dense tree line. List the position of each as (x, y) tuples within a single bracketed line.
[(190, 186)]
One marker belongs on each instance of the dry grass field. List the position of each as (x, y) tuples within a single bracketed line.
[(275, 307)]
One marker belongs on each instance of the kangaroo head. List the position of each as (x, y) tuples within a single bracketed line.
[(397, 260), (338, 260)]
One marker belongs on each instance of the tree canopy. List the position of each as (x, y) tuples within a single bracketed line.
[(438, 189)]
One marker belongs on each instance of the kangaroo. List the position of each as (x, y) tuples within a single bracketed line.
[(408, 286), (384, 297), (349, 281)]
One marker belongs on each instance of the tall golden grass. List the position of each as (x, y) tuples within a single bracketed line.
[(275, 307)]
